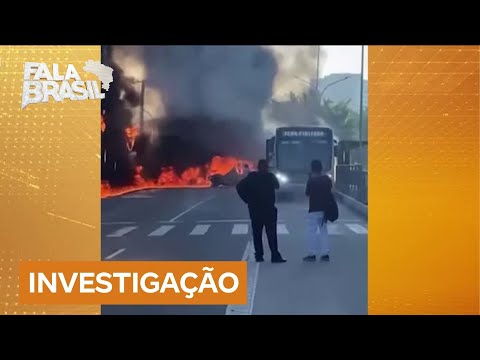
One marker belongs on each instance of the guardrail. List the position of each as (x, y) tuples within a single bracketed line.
[(352, 180)]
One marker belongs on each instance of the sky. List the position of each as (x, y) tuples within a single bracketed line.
[(345, 59)]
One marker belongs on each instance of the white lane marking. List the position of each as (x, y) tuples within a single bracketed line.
[(282, 229), (253, 288), (191, 208), (111, 256), (162, 230), (118, 223), (137, 196), (122, 231), (248, 251), (227, 221), (348, 220), (333, 229), (252, 278), (240, 229), (200, 230), (359, 229)]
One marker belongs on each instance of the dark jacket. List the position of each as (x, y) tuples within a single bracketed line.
[(258, 190), (319, 189)]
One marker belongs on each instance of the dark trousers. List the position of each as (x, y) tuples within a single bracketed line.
[(264, 218)]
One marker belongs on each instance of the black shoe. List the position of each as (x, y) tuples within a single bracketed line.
[(259, 259), (310, 258), (325, 258), (278, 260)]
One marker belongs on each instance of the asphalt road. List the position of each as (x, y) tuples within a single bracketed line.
[(212, 224)]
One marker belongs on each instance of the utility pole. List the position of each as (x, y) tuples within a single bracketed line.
[(142, 104), (318, 70), (361, 111)]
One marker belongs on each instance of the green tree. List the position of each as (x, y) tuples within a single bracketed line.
[(336, 115), (340, 118)]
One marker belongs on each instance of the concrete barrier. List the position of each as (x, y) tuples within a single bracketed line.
[(354, 205)]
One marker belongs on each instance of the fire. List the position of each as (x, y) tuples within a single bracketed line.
[(193, 177), (103, 126), (223, 165), (131, 134)]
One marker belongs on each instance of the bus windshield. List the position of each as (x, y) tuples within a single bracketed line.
[(295, 153)]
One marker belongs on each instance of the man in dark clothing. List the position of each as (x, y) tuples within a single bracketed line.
[(319, 191), (257, 190)]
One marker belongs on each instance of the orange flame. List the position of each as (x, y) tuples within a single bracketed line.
[(131, 134), (103, 126), (193, 177)]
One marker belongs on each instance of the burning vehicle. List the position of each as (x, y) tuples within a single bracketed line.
[(205, 107), (172, 162)]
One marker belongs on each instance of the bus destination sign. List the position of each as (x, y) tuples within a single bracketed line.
[(304, 133)]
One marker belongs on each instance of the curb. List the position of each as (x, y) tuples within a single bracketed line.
[(354, 205)]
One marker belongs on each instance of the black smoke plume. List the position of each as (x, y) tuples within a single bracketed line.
[(194, 141), (117, 107), (213, 98)]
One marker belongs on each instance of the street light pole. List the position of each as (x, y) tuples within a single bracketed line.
[(317, 82), (361, 110), (142, 105), (318, 69), (326, 87)]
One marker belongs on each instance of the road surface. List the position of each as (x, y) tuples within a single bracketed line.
[(212, 224)]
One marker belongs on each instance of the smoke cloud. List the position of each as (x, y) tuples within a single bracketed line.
[(214, 84), (131, 60), (210, 100), (118, 108), (297, 68)]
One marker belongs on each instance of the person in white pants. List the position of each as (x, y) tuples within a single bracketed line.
[(319, 187), (317, 237)]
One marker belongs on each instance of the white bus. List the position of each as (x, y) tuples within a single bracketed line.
[(292, 149)]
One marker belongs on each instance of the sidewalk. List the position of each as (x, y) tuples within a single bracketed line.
[(338, 287)]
